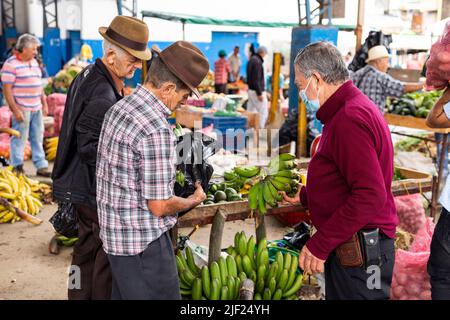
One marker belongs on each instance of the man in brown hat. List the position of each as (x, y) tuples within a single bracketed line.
[(92, 93), (136, 173)]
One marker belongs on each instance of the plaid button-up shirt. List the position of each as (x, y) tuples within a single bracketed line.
[(136, 162), (377, 85)]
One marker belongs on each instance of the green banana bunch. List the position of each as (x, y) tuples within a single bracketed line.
[(67, 242), (247, 172)]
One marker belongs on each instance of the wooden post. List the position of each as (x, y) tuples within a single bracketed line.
[(433, 197), (260, 226), (174, 236), (301, 130), (215, 238), (359, 24), (246, 290), (275, 86)]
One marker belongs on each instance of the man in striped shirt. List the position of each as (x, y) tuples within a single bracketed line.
[(22, 86), (221, 71)]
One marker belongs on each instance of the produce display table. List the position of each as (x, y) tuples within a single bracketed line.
[(419, 123)]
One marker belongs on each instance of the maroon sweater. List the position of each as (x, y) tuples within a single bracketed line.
[(350, 176)]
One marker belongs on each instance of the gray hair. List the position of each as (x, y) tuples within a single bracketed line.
[(159, 73), (324, 58), (110, 46), (262, 49), (25, 41)]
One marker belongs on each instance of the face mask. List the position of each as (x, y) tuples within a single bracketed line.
[(311, 105)]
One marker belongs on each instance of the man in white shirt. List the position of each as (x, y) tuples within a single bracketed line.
[(235, 64), (439, 261)]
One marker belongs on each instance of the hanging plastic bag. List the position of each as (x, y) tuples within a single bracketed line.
[(193, 150), (64, 220)]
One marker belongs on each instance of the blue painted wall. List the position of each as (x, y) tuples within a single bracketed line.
[(301, 37)]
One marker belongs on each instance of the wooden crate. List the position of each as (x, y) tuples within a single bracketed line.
[(188, 118), (415, 182), (411, 122)]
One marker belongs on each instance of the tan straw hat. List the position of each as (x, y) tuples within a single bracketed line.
[(186, 62), (130, 34), (377, 52)]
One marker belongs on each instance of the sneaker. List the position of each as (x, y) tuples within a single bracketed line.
[(43, 172), (18, 170)]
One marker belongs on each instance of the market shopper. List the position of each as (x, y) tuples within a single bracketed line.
[(374, 81), (235, 63), (257, 99), (221, 71), (349, 180), (136, 174), (91, 94), (22, 86), (439, 261)]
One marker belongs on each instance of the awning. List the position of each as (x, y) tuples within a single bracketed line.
[(185, 18)]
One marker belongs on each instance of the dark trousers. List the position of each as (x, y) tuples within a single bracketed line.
[(439, 261), (89, 256), (150, 275), (221, 88), (342, 283)]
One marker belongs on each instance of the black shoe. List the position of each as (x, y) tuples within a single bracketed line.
[(43, 172), (18, 170)]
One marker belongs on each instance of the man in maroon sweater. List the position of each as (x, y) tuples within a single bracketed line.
[(349, 177)]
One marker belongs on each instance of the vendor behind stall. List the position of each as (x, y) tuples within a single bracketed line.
[(374, 81)]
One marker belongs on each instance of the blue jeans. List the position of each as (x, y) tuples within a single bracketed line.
[(32, 128)]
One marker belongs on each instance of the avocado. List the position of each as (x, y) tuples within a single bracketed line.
[(220, 196), (230, 192), (208, 202)]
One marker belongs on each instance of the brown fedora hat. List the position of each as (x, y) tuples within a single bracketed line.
[(187, 62), (130, 34)]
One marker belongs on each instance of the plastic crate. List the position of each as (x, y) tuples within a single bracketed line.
[(224, 123), (231, 131)]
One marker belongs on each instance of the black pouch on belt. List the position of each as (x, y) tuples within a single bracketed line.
[(370, 247)]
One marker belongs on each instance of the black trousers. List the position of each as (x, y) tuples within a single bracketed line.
[(150, 275), (343, 283), (221, 88), (439, 261), (89, 256)]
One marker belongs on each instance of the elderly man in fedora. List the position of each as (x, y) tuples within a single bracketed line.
[(136, 173), (98, 87), (374, 81)]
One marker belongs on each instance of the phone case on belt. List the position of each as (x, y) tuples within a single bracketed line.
[(349, 253)]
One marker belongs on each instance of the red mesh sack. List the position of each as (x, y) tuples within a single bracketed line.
[(410, 279), (438, 65), (411, 212)]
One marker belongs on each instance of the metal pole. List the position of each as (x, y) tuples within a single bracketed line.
[(183, 25), (119, 7), (359, 28), (299, 13), (308, 13), (330, 11)]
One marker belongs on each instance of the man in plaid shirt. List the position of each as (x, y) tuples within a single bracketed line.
[(376, 84), (136, 174)]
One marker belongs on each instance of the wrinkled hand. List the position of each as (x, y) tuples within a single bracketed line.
[(199, 195), (295, 199), (18, 115), (309, 263)]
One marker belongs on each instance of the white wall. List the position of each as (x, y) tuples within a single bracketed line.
[(95, 14)]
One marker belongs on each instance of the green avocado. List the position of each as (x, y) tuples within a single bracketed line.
[(220, 196)]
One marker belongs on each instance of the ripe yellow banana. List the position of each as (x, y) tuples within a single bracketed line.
[(10, 131), (5, 187)]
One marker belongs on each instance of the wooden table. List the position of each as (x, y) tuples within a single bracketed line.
[(420, 123)]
